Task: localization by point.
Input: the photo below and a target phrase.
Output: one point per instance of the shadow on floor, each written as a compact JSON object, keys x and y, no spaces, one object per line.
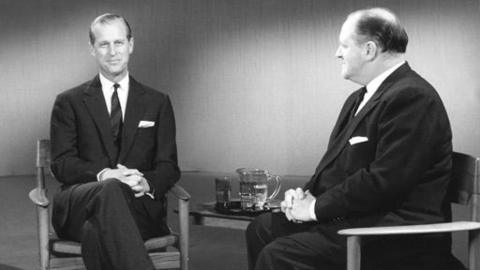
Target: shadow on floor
{"x":6,"y":267}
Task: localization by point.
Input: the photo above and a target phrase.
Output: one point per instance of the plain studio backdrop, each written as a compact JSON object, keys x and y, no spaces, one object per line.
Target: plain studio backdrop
{"x":253,"y":83}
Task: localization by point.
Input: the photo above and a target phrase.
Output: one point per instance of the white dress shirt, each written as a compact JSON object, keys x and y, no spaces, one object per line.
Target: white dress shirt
{"x":374,"y":84}
{"x":122,"y":92}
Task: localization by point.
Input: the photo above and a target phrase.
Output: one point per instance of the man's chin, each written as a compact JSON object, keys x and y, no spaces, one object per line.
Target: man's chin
{"x":115,"y":72}
{"x":344,"y":71}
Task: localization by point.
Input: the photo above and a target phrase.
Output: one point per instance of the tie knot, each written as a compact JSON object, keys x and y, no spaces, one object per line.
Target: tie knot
{"x":116,"y":86}
{"x":363,"y":91}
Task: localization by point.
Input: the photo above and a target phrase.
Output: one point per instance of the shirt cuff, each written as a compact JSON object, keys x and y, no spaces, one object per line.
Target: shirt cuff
{"x":311,"y":210}
{"x":99,"y":175}
{"x":151,"y":193}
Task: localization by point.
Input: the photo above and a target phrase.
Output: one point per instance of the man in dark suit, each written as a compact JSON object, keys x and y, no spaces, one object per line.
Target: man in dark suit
{"x":388,"y":163}
{"x":114,"y":151}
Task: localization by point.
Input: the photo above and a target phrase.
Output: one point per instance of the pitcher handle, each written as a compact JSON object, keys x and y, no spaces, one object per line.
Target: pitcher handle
{"x":278,"y":185}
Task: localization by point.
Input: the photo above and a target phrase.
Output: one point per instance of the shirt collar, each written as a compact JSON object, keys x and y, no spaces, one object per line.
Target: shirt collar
{"x":374,"y":84}
{"x":108,"y":85}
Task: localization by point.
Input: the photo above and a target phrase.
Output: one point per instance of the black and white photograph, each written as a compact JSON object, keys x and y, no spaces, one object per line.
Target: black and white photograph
{"x":240,"y":135}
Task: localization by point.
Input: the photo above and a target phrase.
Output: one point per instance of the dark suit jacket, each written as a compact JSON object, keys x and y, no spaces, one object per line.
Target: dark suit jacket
{"x":82,"y":142}
{"x":400,"y":175}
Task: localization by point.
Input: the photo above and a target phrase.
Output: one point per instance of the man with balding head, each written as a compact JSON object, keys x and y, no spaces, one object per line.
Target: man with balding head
{"x":114,"y":151}
{"x":388,"y":162}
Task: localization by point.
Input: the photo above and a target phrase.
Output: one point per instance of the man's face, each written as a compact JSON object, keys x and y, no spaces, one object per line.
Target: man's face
{"x":112,"y":49}
{"x":350,"y":52}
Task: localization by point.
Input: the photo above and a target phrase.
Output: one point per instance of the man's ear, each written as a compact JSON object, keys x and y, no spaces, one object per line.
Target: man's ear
{"x":370,"y":50}
{"x":130,"y":45}
{"x":92,"y":49}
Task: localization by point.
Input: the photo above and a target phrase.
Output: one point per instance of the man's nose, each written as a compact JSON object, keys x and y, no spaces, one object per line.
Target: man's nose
{"x":112,"y":50}
{"x":338,"y":53}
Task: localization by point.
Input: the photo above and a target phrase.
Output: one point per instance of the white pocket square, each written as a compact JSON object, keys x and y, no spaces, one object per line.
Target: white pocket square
{"x":358,"y":139}
{"x":146,"y":124}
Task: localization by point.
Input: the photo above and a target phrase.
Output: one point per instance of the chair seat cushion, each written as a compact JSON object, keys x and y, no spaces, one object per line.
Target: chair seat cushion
{"x":161,"y":242}
{"x":60,"y":246}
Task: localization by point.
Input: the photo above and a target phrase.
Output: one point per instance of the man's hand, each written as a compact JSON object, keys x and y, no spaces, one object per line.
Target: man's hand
{"x":135,"y":180}
{"x":296,"y":205}
{"x":111,"y":173}
{"x":300,"y":210}
{"x":290,"y":196}
{"x":132,"y":177}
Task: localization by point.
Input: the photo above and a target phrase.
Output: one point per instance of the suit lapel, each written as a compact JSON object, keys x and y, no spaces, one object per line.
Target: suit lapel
{"x":334,"y":138}
{"x":95,"y":103}
{"x":340,"y":134}
{"x":339,"y":142}
{"x":136,"y":103}
{"x":342,"y":119}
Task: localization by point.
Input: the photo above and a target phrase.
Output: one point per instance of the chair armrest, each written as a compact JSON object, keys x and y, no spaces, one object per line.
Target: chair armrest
{"x":413,"y":229}
{"x":183,"y":221}
{"x":180,"y":193}
{"x":38,"y":197}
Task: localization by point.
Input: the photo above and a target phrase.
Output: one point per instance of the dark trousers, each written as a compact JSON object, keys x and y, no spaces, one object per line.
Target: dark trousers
{"x":111,"y":224}
{"x":274,"y":243}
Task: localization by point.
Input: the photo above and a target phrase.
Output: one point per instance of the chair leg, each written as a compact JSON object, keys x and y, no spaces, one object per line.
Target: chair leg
{"x":353,"y":252}
{"x":473,"y":250}
{"x":183,"y":213}
{"x":43,"y":237}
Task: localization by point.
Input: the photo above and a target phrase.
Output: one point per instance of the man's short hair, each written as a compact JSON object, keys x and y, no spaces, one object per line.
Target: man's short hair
{"x":105,"y":19}
{"x":381,"y":26}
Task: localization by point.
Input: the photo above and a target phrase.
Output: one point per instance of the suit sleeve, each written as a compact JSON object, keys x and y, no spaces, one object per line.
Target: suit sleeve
{"x":411,"y":129}
{"x":67,"y":166}
{"x":165,"y":171}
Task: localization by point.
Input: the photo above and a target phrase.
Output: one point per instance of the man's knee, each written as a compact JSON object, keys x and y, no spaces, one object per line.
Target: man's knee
{"x":251,"y":231}
{"x":259,"y":230}
{"x":272,"y":256}
{"x":114,"y":186}
{"x":271,"y":250}
{"x":110,"y":193}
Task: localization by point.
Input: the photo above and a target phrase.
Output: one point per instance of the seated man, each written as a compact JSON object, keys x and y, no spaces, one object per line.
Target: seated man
{"x":388,"y":162}
{"x":114,"y":151}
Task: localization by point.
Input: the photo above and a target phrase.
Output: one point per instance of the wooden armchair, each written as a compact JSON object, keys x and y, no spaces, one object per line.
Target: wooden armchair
{"x":464,"y":189}
{"x":50,"y":245}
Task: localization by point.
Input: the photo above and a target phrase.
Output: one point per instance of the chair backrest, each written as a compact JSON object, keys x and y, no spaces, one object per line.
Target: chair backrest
{"x":43,"y":153}
{"x":464,"y":189}
{"x":464,"y":184}
{"x":42,"y":161}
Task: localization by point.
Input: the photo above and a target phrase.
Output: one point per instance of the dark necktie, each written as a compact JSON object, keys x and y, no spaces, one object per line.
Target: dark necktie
{"x":116,"y":116}
{"x":359,"y":99}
